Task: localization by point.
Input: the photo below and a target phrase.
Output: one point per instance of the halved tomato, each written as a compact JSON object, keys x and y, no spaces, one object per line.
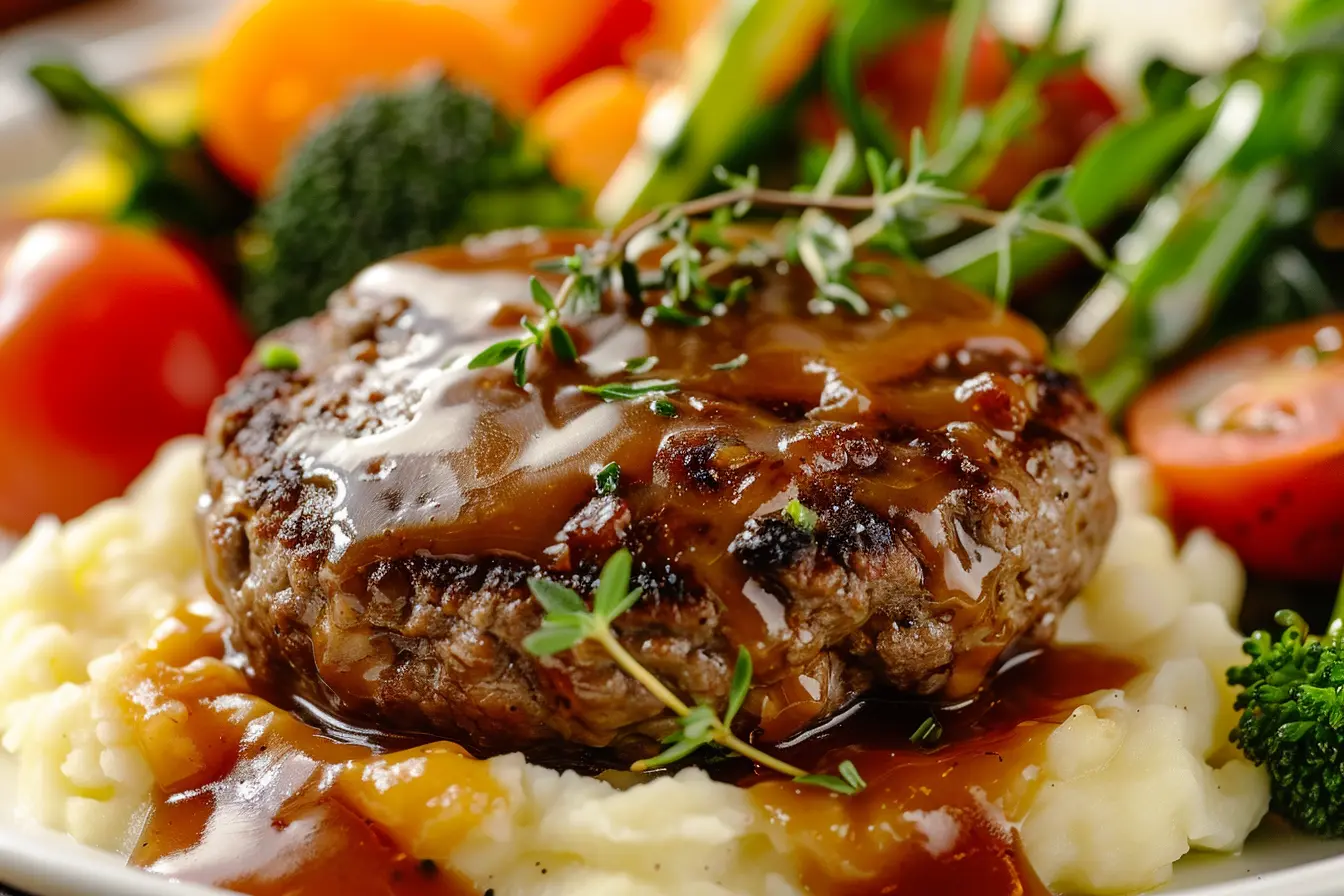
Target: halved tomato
{"x":1249,"y":441}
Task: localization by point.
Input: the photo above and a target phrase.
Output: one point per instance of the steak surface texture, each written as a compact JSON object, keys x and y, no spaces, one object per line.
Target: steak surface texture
{"x":372,"y":518}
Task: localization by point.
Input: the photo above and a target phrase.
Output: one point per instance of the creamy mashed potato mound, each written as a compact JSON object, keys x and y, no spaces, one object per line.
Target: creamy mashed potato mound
{"x":1131,"y":781}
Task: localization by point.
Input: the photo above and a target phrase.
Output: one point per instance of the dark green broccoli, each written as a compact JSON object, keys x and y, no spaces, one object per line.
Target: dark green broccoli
{"x":388,"y":173}
{"x":1292,"y":719}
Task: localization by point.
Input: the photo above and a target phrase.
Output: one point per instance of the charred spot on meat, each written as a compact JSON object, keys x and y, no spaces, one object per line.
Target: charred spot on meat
{"x":372,"y":518}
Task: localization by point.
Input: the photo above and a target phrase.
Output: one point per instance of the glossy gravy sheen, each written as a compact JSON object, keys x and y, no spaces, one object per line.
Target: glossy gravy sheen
{"x":475,"y":466}
{"x":251,"y":799}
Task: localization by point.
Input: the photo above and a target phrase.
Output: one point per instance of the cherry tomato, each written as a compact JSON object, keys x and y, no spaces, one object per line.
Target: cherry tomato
{"x":903,"y":81}
{"x":1249,"y":441}
{"x":111,"y":342}
{"x":1074,"y":107}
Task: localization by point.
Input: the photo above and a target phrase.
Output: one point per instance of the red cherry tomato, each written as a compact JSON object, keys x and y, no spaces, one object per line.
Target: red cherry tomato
{"x":1249,"y":441}
{"x":1074,"y":107}
{"x":903,"y":81}
{"x":111,"y":342}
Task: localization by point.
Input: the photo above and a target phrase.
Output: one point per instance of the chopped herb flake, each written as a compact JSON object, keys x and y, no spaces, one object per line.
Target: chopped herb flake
{"x":639,"y":366}
{"x":928,"y":733}
{"x":800,"y":515}
{"x":278,"y":356}
{"x":608,"y":479}
{"x":730,"y":365}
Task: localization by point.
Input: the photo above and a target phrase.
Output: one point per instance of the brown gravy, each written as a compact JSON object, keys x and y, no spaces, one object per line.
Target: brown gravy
{"x":936,"y":820}
{"x":252,"y":799}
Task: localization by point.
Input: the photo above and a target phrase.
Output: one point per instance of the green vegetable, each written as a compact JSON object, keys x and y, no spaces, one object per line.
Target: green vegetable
{"x":390,"y":172}
{"x":175,"y":183}
{"x":1292,"y":719}
{"x":862,"y":28}
{"x":1200,"y":233}
{"x":704,"y":119}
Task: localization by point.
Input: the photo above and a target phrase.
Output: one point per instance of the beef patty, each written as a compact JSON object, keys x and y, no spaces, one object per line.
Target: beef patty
{"x":372,"y":517}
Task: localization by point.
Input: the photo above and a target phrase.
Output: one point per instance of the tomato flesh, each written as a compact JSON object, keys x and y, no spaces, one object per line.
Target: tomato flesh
{"x":111,"y":342}
{"x":1249,"y":442}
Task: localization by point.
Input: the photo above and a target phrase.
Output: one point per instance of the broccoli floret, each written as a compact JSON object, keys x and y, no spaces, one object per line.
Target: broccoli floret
{"x":388,"y":173}
{"x":1292,"y":719}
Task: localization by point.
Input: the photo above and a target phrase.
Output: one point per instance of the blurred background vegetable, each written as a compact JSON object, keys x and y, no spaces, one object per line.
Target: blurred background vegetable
{"x":388,"y":173}
{"x":111,"y":342}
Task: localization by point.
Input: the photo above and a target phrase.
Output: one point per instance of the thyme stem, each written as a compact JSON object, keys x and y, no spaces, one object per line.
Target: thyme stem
{"x":824,"y":245}
{"x":722,"y":734}
{"x":632,"y":667}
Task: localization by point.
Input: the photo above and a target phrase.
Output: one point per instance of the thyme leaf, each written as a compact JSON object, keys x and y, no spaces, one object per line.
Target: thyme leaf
{"x":847,"y":783}
{"x":625,"y":391}
{"x":640,"y":365}
{"x":663,"y":408}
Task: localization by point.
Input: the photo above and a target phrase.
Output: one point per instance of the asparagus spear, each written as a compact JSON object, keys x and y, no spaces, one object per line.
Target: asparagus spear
{"x":1184,"y":254}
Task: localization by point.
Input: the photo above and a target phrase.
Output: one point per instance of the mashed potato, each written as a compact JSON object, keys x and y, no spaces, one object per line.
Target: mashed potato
{"x":70,"y":596}
{"x":1141,"y":776}
{"x":1131,"y":781}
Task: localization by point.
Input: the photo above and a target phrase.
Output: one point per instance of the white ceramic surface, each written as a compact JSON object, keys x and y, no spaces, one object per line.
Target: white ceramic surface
{"x":119,"y":42}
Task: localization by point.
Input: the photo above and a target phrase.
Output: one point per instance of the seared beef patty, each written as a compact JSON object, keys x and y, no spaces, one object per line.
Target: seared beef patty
{"x":372,"y":518}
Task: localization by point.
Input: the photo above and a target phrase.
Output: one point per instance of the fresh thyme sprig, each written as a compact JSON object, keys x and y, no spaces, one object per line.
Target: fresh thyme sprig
{"x":568,"y":622}
{"x":694,"y":257}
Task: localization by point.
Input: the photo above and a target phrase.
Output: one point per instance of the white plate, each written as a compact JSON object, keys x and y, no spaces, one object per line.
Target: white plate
{"x":117,"y":42}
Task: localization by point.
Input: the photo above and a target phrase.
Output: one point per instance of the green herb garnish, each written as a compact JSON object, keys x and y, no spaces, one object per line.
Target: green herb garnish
{"x":568,"y":622}
{"x":801,"y":517}
{"x":686,"y":279}
{"x":928,"y":733}
{"x":730,"y":365}
{"x":626,"y":391}
{"x":537,"y":334}
{"x":639,"y":366}
{"x":278,"y":356}
{"x":608,"y":479}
